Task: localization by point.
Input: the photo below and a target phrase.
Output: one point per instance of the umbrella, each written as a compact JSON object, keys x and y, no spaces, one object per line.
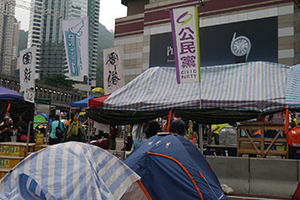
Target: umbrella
{"x":73,"y":170}
{"x":7,"y":94}
{"x":98,"y":89}
{"x":82,"y":113}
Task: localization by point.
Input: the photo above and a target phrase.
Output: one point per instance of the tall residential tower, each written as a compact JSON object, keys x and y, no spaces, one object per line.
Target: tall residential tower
{"x":45,"y":32}
{"x":7,"y":12}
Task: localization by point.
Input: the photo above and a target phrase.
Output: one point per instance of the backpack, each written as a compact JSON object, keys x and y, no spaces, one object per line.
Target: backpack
{"x":58,"y":132}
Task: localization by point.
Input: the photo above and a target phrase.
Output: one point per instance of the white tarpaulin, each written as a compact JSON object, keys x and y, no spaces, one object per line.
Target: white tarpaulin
{"x":113,"y":69}
{"x":27,"y":68}
{"x":185,"y":32}
{"x":76,"y":37}
{"x":72,"y":170}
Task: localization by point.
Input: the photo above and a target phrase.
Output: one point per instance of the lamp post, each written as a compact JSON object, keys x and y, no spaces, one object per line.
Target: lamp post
{"x":200,"y":135}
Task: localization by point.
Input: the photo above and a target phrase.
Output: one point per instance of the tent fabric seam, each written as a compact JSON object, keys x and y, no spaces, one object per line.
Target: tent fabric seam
{"x":186,"y":171}
{"x":144,"y":190}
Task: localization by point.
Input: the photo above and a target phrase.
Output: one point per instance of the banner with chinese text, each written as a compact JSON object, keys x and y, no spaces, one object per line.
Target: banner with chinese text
{"x":76,"y":38}
{"x":185,"y":32}
{"x":113,"y":69}
{"x":27,"y":68}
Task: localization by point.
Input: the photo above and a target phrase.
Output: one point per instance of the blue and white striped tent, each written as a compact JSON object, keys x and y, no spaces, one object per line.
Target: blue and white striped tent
{"x":71,"y":170}
{"x":293,"y":88}
{"x":252,"y":88}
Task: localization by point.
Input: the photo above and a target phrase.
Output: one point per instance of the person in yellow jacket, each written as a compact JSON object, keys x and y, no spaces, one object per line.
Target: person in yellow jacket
{"x":74,"y":131}
{"x":294,"y":120}
{"x":215,"y":129}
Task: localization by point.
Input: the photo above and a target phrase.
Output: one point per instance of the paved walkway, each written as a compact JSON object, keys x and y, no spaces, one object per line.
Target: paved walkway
{"x":238,"y":197}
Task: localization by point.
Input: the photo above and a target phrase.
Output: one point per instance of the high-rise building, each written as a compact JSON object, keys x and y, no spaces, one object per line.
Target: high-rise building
{"x":15,"y":47}
{"x":7,"y":12}
{"x":45,"y":32}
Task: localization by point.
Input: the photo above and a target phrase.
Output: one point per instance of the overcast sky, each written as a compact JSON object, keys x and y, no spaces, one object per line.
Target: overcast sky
{"x":109,"y":10}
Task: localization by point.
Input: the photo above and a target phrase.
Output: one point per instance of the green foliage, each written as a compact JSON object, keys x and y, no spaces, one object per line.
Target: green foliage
{"x":106,"y":40}
{"x":23,"y":38}
{"x":58,"y":80}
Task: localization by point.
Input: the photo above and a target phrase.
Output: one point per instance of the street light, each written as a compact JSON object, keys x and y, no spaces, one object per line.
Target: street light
{"x":201,"y":4}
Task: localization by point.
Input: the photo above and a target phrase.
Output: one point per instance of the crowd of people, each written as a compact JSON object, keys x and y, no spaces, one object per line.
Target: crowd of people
{"x":75,"y":129}
{"x":8,"y":129}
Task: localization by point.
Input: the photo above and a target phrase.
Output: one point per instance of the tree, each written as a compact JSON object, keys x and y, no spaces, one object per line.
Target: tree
{"x":59,"y":81}
{"x":23,"y":38}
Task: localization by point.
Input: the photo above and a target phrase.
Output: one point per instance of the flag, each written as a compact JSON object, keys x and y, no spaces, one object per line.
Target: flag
{"x":185,"y":32}
{"x":113,"y":69}
{"x":27,"y":68}
{"x":76,"y":38}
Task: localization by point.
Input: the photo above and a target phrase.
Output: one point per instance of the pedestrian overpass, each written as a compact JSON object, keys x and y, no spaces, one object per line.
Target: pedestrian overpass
{"x":59,"y":97}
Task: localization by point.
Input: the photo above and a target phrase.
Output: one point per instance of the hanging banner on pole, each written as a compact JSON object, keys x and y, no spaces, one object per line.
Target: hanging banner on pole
{"x":113,"y":69}
{"x":27,"y":68}
{"x":76,"y":38}
{"x":185,"y":32}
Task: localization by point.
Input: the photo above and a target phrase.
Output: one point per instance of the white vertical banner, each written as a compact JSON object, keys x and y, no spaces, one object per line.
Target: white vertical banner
{"x":113,"y":69}
{"x":27,"y":68}
{"x":185,"y":32}
{"x":76,"y":38}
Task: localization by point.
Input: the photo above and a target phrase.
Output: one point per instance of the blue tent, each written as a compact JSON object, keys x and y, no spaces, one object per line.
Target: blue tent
{"x":7,"y":94}
{"x":171,"y":167}
{"x":81,"y":103}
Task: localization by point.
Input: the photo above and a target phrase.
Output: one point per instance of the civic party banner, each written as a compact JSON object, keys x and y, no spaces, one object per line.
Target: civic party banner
{"x":27,"y":68}
{"x":113,"y":69}
{"x":185,"y":32}
{"x":76,"y":38}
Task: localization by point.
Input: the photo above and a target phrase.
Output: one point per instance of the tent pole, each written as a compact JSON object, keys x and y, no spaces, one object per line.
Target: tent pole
{"x":200,"y":135}
{"x":47,"y":138}
{"x":200,"y":138}
{"x":89,"y":124}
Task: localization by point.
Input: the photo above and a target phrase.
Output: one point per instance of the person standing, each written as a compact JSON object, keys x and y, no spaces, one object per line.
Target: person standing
{"x":56,"y":123}
{"x":5,"y":131}
{"x":23,"y":128}
{"x":178,"y":126}
{"x":294,"y":122}
{"x":74,"y":132}
{"x":112,"y":138}
{"x":153,"y":128}
{"x":215,"y":129}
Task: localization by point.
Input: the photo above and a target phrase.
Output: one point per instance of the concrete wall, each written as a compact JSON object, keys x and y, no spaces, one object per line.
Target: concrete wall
{"x":278,"y":177}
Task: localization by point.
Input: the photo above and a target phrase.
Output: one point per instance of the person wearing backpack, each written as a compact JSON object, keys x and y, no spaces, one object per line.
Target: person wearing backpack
{"x":55,"y":137}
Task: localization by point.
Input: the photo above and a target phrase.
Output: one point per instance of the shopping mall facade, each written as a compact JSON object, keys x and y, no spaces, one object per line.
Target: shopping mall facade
{"x":269,"y":30}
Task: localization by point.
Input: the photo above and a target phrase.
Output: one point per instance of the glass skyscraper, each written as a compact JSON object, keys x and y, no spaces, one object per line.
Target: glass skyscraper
{"x":45,"y":32}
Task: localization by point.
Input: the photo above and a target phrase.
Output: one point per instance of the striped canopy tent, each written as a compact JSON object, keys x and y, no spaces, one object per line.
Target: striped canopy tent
{"x":229,"y":93}
{"x":293,"y":88}
{"x":72,"y":170}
